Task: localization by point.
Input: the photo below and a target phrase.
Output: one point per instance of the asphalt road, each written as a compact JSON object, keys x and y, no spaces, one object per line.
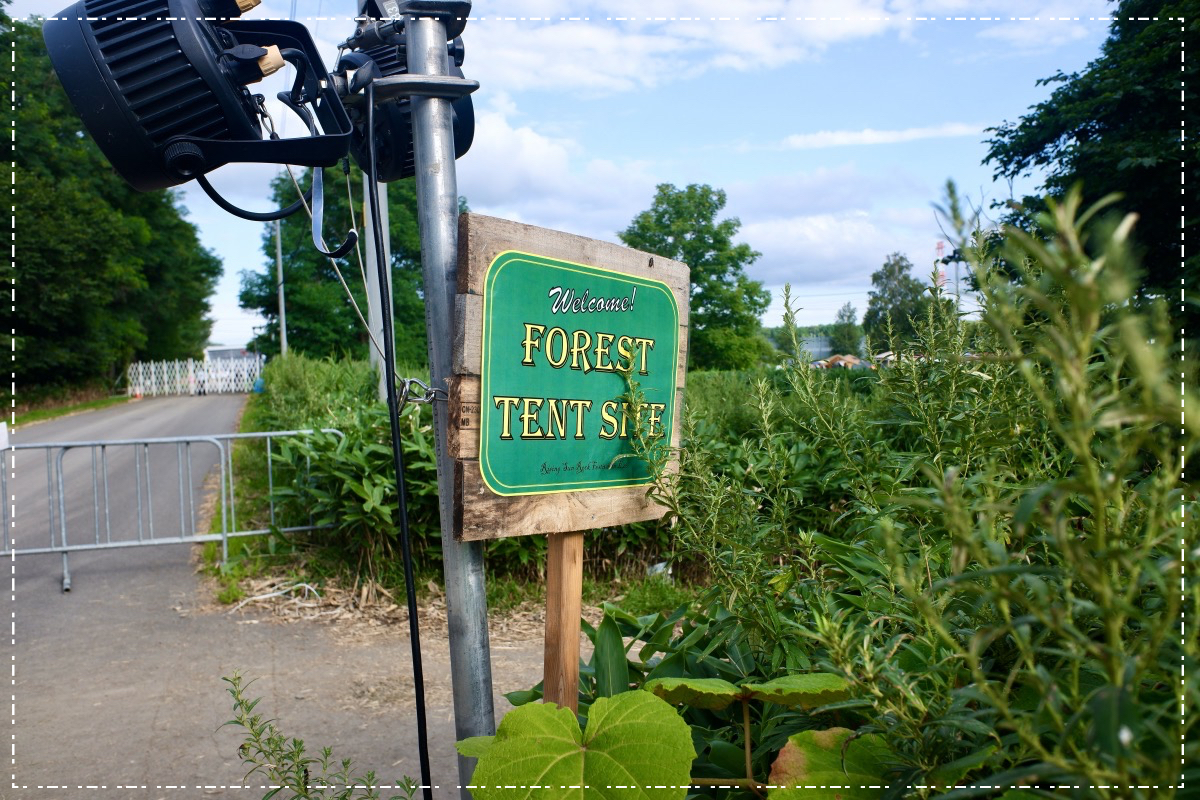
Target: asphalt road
{"x":116,"y":685}
{"x":120,"y":493}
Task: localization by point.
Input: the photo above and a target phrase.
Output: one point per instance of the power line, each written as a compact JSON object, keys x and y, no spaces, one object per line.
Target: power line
{"x":830,"y":294}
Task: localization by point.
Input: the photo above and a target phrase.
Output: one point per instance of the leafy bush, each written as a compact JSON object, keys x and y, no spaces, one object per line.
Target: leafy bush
{"x":303,"y":392}
{"x":347,"y":480}
{"x":995,"y":565}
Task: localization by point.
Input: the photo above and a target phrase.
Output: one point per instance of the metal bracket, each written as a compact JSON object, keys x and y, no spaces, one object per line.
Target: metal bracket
{"x":393,"y":86}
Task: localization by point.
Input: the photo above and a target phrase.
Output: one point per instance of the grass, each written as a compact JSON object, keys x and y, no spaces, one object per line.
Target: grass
{"x":653,"y":594}
{"x":249,"y":556}
{"x":638,"y":595}
{"x":43,"y":414}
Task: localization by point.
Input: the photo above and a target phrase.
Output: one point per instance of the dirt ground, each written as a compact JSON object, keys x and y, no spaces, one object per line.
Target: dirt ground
{"x":118,"y":693}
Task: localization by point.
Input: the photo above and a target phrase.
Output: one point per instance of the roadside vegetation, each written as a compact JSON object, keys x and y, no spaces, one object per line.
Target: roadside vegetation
{"x":980,"y":558}
{"x":961,"y":575}
{"x":344,"y":480}
{"x":61,"y":407}
{"x":124,"y":277}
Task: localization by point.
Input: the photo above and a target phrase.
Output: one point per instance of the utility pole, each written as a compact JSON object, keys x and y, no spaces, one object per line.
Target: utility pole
{"x":374,"y":291}
{"x":279,"y":286}
{"x":437,"y":214}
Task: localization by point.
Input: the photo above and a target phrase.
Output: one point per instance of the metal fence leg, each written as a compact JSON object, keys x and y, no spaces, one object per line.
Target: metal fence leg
{"x":66,"y":573}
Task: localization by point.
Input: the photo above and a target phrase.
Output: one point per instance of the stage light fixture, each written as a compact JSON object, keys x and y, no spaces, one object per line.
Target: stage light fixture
{"x":378,"y":49}
{"x":162,"y":86}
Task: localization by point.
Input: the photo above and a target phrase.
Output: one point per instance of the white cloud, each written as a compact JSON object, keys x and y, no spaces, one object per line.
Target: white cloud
{"x":1048,"y":32}
{"x":624,"y":45}
{"x":515,"y":171}
{"x":811,"y":247}
{"x":824,"y":190}
{"x":833,"y":254}
{"x":1018,"y":9}
{"x":868,"y":136}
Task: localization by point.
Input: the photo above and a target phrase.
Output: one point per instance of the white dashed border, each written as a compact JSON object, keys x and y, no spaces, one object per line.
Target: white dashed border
{"x":1182,"y":386}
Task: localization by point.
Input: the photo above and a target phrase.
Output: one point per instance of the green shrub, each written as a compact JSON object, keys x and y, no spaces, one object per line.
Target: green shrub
{"x":302,"y":392}
{"x":997,"y":572}
{"x":347,"y":481}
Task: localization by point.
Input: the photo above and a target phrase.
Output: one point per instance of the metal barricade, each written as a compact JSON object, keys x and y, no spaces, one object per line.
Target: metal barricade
{"x":129,"y":521}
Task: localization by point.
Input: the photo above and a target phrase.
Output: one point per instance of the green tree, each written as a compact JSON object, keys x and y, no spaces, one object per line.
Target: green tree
{"x":104,"y":274}
{"x":1116,"y":127}
{"x":725,"y":304}
{"x":320,"y":318}
{"x":847,"y":334}
{"x":897,"y":296}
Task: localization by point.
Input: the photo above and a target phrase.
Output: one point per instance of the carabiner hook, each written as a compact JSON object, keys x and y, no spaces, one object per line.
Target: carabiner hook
{"x":293,"y":101}
{"x":318,"y":214}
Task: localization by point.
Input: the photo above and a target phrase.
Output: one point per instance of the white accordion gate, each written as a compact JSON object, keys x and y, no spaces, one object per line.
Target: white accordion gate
{"x":193,"y":376}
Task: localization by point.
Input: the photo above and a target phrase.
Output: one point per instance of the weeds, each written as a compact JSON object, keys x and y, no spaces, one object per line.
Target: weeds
{"x":283,"y":762}
{"x":988,"y":546}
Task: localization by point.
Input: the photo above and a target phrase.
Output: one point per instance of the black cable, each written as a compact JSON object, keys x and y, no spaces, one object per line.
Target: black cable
{"x":299,"y":60}
{"x":389,"y":369}
{"x":253,"y":216}
{"x":293,"y":101}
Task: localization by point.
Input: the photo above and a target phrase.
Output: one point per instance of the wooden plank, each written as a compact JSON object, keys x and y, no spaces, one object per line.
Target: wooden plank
{"x":484,"y":515}
{"x":462,"y":437}
{"x":482,"y":238}
{"x":564,"y":599}
{"x":468,"y":334}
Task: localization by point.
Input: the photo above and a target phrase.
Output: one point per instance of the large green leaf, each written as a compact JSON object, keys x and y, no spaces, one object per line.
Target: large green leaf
{"x":612,"y":670}
{"x":819,"y":764}
{"x":633,"y":741}
{"x":712,"y":693}
{"x":805,"y":691}
{"x":474,"y":746}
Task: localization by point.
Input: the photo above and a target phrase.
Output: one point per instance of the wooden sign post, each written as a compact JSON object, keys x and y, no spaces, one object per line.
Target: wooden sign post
{"x":564,"y":601}
{"x":537,"y":412}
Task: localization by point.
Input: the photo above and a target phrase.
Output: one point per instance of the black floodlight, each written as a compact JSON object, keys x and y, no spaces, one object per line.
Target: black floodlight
{"x":161,"y":86}
{"x":393,"y":118}
{"x":378,"y":50}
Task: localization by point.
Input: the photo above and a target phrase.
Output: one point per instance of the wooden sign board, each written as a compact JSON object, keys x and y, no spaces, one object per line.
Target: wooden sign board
{"x":542,"y":318}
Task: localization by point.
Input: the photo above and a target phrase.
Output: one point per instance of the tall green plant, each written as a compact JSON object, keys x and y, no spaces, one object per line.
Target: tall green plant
{"x":1000,"y":579}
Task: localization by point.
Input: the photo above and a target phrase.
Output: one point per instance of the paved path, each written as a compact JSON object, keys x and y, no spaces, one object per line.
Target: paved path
{"x":146,"y":487}
{"x":118,"y":683}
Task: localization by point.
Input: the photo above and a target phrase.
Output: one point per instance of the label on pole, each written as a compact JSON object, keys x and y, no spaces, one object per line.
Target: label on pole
{"x":556,"y":335}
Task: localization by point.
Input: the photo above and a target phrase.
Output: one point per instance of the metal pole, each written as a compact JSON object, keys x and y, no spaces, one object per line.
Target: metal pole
{"x":437,"y":214}
{"x":279,"y":282}
{"x":374,"y":313}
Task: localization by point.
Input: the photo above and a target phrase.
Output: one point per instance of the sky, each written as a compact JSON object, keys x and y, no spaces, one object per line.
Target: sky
{"x":832,"y":127}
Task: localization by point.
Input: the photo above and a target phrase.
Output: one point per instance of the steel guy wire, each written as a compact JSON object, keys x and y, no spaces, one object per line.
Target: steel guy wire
{"x":429,"y":394}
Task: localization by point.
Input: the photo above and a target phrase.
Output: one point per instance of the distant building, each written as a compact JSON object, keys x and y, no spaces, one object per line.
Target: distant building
{"x":817,"y":346}
{"x":220,"y":351}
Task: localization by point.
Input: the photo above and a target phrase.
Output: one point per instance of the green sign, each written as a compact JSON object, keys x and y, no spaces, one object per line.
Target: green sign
{"x":554,"y":334}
